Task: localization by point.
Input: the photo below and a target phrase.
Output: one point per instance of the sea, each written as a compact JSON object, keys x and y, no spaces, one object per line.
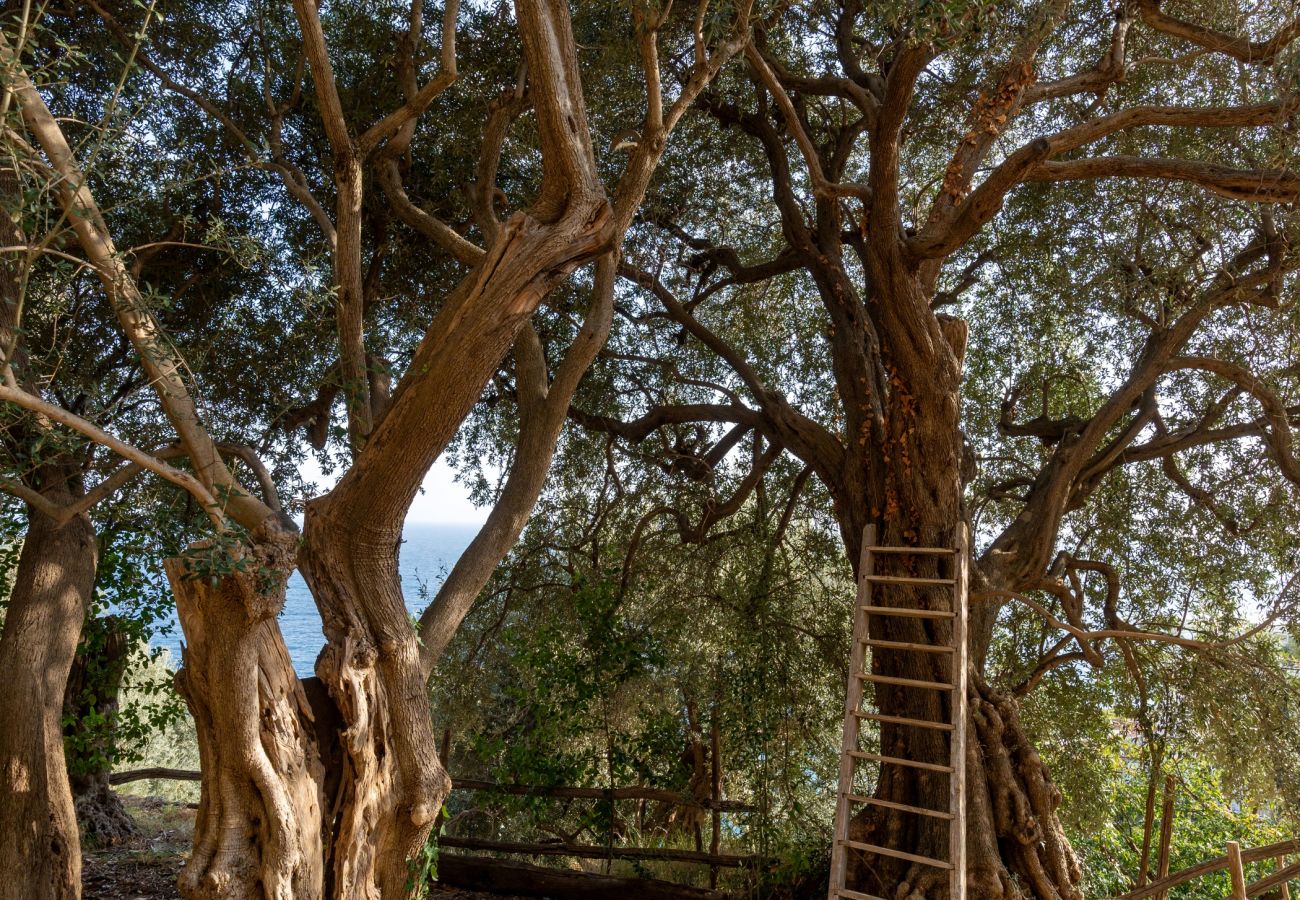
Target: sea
{"x":429,"y":550}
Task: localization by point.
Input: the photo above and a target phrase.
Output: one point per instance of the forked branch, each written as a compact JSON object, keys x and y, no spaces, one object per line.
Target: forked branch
{"x":127,"y":451}
{"x":1239,"y":47}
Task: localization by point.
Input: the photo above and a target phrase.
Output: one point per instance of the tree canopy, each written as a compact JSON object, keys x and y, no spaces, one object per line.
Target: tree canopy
{"x":693,"y":294}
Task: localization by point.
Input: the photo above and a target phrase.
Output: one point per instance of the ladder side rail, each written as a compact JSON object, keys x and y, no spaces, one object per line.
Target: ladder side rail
{"x":852,"y":705}
{"x":957,"y":739}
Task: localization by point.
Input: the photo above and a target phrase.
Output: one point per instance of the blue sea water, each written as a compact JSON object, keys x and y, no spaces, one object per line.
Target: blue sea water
{"x":429,"y":550}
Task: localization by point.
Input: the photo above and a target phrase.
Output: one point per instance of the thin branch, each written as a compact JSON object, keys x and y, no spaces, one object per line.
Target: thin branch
{"x":415,"y":105}
{"x":1256,"y":186}
{"x":1252,"y":116}
{"x":428,"y":225}
{"x":128,"y":452}
{"x":947,"y":234}
{"x":158,"y":358}
{"x":123,"y":473}
{"x":822,"y":187}
{"x":1278,"y":435}
{"x":1110,"y":70}
{"x":1241,"y":48}
{"x":1127,"y":634}
{"x":292,"y":179}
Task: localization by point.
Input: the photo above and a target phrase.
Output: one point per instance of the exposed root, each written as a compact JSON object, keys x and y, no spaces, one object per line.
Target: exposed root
{"x":1016,"y":847}
{"x":1023,"y":801}
{"x":103,"y":820}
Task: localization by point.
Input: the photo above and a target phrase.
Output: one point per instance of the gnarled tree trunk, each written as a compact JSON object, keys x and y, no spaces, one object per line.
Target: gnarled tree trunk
{"x":40,"y":852}
{"x":915,"y":496}
{"x":391,"y":783}
{"x":258,"y":835}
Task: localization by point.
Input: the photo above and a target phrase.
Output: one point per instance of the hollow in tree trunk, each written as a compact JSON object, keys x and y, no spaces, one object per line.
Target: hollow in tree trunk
{"x":40,"y":853}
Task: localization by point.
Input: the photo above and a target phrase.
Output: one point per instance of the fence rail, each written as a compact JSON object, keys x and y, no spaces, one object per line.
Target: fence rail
{"x":1220,"y":863}
{"x":154,"y":774}
{"x":587,"y":851}
{"x":523,"y":790}
{"x":712,"y":858}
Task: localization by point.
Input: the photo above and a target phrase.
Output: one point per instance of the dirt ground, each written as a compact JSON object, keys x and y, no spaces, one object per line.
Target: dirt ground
{"x":145,"y":867}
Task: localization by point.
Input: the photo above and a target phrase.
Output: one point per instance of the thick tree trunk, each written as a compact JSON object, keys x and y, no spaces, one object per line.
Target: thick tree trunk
{"x":258,"y":835}
{"x":1014,"y":839}
{"x":92,"y":697}
{"x":40,"y":853}
{"x":927,"y":519}
{"x":1015,"y":844}
{"x":392,"y":783}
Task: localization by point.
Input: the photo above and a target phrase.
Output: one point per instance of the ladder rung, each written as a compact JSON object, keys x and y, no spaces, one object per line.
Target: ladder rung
{"x":898,"y":854}
{"x":905,"y":645}
{"x":889,"y":804}
{"x":876,"y":757}
{"x":900,"y":720}
{"x":907,"y":559}
{"x":906,"y":579}
{"x":907,"y":612}
{"x":948,"y":550}
{"x":855,"y":895}
{"x":906,"y":682}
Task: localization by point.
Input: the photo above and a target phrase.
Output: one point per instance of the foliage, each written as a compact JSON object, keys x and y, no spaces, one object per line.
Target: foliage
{"x":173,"y":746}
{"x":694,"y":575}
{"x":424,"y":865}
{"x":131,"y":599}
{"x":1206,"y":817}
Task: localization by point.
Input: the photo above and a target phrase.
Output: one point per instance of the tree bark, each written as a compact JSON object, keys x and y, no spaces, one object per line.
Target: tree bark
{"x":914,"y":494}
{"x":40,"y":852}
{"x":258,"y":835}
{"x":1015,"y":841}
{"x":392,"y":783}
{"x":92,"y":691}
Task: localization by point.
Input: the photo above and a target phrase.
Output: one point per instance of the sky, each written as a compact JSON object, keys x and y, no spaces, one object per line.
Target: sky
{"x":442,"y":499}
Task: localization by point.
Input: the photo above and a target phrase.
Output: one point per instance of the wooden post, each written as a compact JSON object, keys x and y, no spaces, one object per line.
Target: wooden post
{"x":715,"y":754}
{"x":957,"y":757}
{"x":613,"y":805}
{"x":1236,"y":872}
{"x":444,"y":757}
{"x":1148,"y":823}
{"x":1166,"y":832}
{"x":852,"y":703}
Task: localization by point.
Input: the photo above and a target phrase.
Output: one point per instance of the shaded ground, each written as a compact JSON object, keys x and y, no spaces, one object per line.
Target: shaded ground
{"x":145,"y":867}
{"x":438,"y":892}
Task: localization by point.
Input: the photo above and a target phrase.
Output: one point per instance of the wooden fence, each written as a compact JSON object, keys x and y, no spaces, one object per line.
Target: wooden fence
{"x":1232,"y":861}
{"x":715,"y":804}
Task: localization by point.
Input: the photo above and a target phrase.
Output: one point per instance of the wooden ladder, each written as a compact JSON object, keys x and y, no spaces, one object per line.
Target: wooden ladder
{"x":859,"y":674}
